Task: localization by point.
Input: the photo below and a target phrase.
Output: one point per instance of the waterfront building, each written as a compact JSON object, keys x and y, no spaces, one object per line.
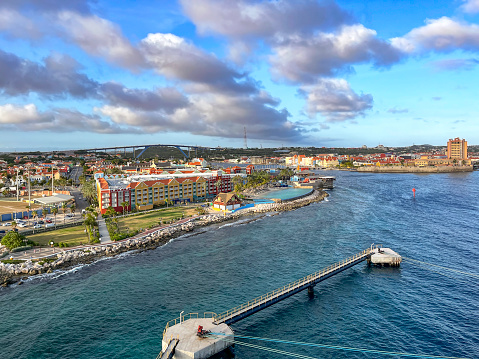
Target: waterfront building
{"x":457,"y":149}
{"x":227,"y":202}
{"x":146,"y":191}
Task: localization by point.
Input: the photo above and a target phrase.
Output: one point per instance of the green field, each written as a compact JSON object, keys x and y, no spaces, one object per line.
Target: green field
{"x":152,"y":219}
{"x":73,"y":236}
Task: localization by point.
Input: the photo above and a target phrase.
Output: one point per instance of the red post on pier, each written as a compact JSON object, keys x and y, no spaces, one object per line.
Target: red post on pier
{"x":414,"y":192}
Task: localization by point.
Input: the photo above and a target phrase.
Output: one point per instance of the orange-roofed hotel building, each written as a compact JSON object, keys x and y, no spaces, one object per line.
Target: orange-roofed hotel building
{"x":145,"y":191}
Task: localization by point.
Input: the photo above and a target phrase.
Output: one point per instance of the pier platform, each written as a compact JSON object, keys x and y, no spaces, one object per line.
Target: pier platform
{"x":385,"y":257}
{"x":192,"y":346}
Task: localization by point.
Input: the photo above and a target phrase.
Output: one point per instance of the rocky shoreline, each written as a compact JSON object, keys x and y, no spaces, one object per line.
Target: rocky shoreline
{"x":16,"y":273}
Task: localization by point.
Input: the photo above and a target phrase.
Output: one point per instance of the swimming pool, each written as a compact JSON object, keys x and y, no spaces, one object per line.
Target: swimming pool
{"x":285,"y":193}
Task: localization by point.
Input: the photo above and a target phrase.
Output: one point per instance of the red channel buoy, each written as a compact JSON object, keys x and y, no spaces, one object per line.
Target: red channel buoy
{"x":414,"y":192}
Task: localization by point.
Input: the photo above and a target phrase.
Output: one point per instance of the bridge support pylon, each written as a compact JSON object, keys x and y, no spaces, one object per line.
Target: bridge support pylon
{"x":311,"y":292}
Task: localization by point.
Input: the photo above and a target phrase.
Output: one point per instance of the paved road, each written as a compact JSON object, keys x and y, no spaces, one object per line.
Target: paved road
{"x":75,"y":173}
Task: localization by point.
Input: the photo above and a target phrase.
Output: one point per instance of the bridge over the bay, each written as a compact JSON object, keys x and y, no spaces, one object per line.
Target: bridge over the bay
{"x":138,"y":150}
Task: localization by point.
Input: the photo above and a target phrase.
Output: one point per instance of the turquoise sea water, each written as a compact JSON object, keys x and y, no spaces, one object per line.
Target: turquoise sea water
{"x":286,"y":193}
{"x":117,"y":308}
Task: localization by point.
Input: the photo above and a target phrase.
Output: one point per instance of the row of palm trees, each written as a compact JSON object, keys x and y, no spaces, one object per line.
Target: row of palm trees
{"x":54,"y":211}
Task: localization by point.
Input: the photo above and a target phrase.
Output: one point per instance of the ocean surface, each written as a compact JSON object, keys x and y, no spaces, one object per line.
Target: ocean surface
{"x":117,"y":308}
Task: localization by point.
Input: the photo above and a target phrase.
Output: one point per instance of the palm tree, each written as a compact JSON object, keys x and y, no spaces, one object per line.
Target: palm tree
{"x":14,"y":225}
{"x":124,"y":205}
{"x":218,"y":184}
{"x":110,"y":212}
{"x":28,"y":209}
{"x":54,"y":212}
{"x":73,"y":208}
{"x":64,"y":209}
{"x":44,"y":212}
{"x":204,"y":188}
{"x":90,"y":221}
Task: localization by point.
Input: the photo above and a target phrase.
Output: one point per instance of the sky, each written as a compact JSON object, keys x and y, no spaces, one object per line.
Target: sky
{"x":94,"y":73}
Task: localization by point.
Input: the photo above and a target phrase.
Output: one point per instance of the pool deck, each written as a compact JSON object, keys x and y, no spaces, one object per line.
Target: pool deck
{"x":280,"y":193}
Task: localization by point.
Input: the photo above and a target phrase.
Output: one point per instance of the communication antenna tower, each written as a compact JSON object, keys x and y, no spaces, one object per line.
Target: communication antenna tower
{"x":245,"y":141}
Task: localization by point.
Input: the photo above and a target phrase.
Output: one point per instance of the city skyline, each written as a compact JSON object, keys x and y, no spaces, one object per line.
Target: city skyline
{"x":84,"y":74}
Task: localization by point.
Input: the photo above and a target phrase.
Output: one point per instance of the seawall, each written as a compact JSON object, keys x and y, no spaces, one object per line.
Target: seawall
{"x":402,"y":169}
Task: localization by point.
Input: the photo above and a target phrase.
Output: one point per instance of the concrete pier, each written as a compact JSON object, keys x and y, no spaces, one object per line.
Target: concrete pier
{"x":181,"y":339}
{"x":192,"y":346}
{"x":385,"y":257}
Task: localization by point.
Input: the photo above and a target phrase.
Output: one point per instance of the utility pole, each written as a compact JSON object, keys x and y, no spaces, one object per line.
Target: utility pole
{"x":52,"y":181}
{"x":245,"y":141}
{"x":17,"y":183}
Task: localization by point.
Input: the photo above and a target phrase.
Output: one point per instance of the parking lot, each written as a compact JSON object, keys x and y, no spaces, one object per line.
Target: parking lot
{"x":38,"y":223}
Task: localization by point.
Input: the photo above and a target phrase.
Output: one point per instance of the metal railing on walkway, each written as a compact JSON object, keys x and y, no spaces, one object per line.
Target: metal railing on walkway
{"x":241,"y":311}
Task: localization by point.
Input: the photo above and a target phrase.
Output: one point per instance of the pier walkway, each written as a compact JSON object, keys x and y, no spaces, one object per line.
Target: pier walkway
{"x":190,"y":345}
{"x":255,"y":305}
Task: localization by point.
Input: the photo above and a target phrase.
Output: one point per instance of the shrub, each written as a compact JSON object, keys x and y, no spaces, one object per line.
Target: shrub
{"x":12,"y":261}
{"x":13,"y":240}
{"x":19,"y":249}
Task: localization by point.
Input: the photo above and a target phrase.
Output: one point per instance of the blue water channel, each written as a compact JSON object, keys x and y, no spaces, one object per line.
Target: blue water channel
{"x":117,"y":308}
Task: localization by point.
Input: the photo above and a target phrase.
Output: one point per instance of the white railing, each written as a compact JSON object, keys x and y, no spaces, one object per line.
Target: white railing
{"x":291,"y":286}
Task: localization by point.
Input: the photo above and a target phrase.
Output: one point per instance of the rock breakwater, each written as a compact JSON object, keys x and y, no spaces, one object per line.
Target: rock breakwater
{"x":11,"y":273}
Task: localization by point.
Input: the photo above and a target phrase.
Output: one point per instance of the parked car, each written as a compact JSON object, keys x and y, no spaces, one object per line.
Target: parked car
{"x":48,"y":220}
{"x":7,"y":224}
{"x":40,"y":222}
{"x":22,"y":225}
{"x":37,"y":226}
{"x":49,"y":225}
{"x":2,"y":231}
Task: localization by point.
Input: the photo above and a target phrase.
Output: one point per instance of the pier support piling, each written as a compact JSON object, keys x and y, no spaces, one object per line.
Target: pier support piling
{"x":311,"y":292}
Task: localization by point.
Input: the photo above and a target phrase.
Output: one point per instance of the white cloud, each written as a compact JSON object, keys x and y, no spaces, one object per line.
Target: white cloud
{"x":335,"y":100}
{"x":28,"y":118}
{"x":100,"y":37}
{"x":470,"y":6}
{"x":178,"y":59}
{"x":442,"y":35}
{"x":247,"y":19}
{"x":18,"y":24}
{"x":11,"y":114}
{"x":219,"y":115}
{"x":455,"y":64}
{"x":303,"y":59}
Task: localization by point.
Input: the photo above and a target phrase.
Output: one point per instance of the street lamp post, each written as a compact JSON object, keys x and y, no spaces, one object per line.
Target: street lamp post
{"x":18,"y":170}
{"x":52,"y":180}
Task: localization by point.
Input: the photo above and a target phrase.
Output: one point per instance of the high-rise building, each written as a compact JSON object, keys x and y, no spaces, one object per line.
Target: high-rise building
{"x":457,"y":149}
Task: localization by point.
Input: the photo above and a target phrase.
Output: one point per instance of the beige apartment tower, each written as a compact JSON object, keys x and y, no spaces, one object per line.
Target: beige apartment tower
{"x":457,"y":149}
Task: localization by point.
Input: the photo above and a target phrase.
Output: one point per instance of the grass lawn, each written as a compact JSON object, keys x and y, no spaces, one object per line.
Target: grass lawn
{"x":152,"y":219}
{"x":72,"y":236}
